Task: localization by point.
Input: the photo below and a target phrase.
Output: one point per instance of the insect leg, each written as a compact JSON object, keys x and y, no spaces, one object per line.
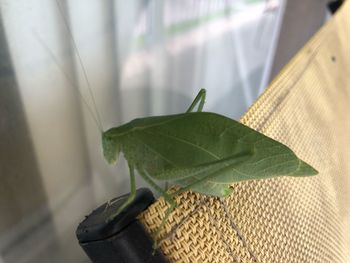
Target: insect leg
{"x":168,"y":212}
{"x":156,"y":187}
{"x":216,"y":172}
{"x":199,"y":98}
{"x":169,"y":198}
{"x":131,"y":196}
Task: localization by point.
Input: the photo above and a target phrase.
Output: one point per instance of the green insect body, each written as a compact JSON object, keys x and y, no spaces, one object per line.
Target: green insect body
{"x":199,"y":151}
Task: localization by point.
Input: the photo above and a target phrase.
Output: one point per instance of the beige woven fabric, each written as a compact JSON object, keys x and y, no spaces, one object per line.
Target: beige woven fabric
{"x":287,"y":219}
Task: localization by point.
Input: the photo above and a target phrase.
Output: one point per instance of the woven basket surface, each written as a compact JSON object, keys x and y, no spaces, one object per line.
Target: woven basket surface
{"x":286,"y":219}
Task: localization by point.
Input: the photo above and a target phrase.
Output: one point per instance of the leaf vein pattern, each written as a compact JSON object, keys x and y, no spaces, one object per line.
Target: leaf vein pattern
{"x":186,"y":142}
{"x":157,"y":153}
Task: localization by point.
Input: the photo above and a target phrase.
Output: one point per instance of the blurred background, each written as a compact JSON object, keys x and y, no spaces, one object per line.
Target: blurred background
{"x":141,"y":58}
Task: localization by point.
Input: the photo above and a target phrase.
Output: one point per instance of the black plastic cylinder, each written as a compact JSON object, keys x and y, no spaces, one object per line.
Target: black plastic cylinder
{"x":122,"y":239}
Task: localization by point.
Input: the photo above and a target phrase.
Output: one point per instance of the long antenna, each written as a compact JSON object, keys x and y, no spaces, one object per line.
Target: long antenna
{"x":71,"y":82}
{"x":80,"y":63}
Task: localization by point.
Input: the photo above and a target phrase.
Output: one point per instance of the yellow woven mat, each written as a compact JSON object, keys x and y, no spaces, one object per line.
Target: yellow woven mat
{"x":287,"y":219}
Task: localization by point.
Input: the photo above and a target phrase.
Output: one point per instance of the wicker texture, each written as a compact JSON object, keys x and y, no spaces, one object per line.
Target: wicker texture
{"x":284,"y":219}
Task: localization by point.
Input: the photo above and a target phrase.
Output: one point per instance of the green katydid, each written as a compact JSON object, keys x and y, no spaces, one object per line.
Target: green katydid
{"x":199,"y":151}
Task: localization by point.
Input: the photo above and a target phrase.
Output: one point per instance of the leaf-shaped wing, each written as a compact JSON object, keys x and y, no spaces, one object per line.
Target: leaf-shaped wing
{"x":186,"y":148}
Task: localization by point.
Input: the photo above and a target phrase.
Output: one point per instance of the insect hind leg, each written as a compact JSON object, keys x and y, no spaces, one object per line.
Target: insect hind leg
{"x":200,"y":98}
